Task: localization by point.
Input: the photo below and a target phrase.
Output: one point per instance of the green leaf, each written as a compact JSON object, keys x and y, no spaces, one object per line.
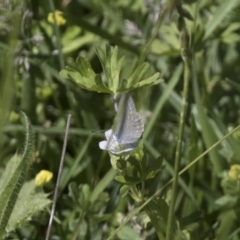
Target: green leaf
{"x":73,"y":191}
{"x":194,"y":217}
{"x":222,"y":12}
{"x":170,"y":169}
{"x":227,"y":201}
{"x":111,"y":66}
{"x":72,"y":40}
{"x":29,"y":203}
{"x":157,"y":210}
{"x":137,"y":75}
{"x":193,"y":151}
{"x":108,"y":177}
{"x":77,"y":20}
{"x":86,"y":191}
{"x":153,"y":80}
{"x":136,"y":164}
{"x":85,"y":70}
{"x":154,"y":167}
{"x":127,"y":180}
{"x":124,"y":190}
{"x":231,"y":144}
{"x":159,"y":47}
{"x":78,"y":165}
{"x":168,"y":88}
{"x":185,"y":13}
{"x":84,"y":76}
{"x":14,"y":179}
{"x":143,"y":218}
{"x":208,"y":133}
{"x":127,"y":232}
{"x":231,"y":38}
{"x":84,"y":196}
{"x":235,"y":85}
{"x":121,"y":164}
{"x":227,"y":218}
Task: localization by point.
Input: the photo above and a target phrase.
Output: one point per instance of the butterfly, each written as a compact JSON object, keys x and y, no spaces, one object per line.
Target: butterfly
{"x":127,"y":129}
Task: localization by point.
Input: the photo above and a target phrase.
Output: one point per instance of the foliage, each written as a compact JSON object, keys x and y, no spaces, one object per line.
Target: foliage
{"x":18,"y":200}
{"x":71,"y":57}
{"x":85,"y":77}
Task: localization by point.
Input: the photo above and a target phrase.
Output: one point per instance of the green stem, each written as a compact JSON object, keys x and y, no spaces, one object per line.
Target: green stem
{"x":60,"y":53}
{"x":179,"y":149}
{"x":145,"y":51}
{"x":144,"y":166}
{"x":57,"y":34}
{"x":153,"y":34}
{"x":77,"y":229}
{"x":28,"y":98}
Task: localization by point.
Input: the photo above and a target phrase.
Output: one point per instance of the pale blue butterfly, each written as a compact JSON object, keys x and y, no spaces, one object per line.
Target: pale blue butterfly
{"x":127,"y":129}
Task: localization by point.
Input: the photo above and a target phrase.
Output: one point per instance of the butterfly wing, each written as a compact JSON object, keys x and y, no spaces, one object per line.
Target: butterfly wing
{"x":113,"y":145}
{"x":111,"y":141}
{"x":129,"y":124}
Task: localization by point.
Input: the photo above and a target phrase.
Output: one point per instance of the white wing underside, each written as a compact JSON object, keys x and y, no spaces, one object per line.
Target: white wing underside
{"x":128,"y":124}
{"x":127,"y":129}
{"x":113,"y":145}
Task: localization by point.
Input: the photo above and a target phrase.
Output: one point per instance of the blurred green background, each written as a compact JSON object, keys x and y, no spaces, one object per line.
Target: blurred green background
{"x":34,"y":49}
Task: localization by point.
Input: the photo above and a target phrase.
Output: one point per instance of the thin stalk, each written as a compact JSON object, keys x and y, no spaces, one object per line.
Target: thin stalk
{"x":179,"y":147}
{"x":142,"y":189}
{"x":58,"y":178}
{"x":51,"y":131}
{"x":60,"y":53}
{"x":78,"y":228}
{"x":145,"y":51}
{"x":57,"y":34}
{"x":153,"y":34}
{"x":143,"y":179}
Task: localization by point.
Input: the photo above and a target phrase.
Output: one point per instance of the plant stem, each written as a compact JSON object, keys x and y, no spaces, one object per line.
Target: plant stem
{"x":153,"y":34}
{"x":7,"y":82}
{"x":59,"y":177}
{"x":57,"y":34}
{"x":144,"y":166}
{"x":179,"y":146}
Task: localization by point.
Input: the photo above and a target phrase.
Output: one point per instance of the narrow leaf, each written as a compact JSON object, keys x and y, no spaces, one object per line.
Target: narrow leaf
{"x":219,"y":15}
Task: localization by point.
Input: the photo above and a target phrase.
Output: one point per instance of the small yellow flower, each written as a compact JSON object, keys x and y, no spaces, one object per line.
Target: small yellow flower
{"x":43,"y":177}
{"x":234,"y":172}
{"x":60,"y":20}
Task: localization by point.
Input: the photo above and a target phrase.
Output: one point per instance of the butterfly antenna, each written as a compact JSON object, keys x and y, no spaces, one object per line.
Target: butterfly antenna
{"x":58,"y":178}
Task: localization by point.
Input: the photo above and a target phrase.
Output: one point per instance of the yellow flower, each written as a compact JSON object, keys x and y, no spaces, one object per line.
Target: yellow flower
{"x":43,"y":177}
{"x":234,"y":172}
{"x":60,"y":20}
